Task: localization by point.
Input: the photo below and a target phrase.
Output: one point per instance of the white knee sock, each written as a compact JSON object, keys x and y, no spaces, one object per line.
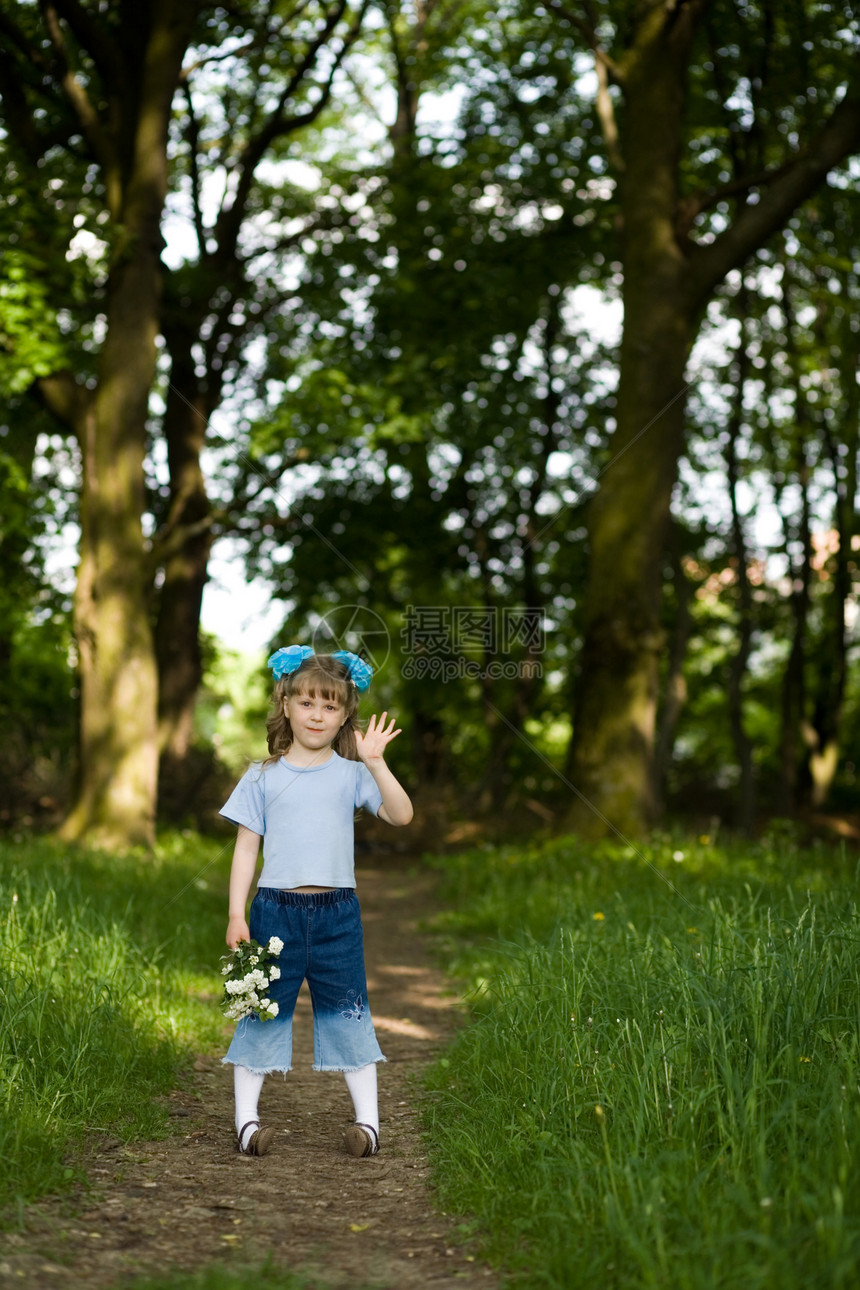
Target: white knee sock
{"x":247,"y":1085}
{"x":362,"y":1090}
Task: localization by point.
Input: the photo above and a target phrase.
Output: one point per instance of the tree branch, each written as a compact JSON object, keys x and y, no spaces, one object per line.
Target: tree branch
{"x":695,"y":203}
{"x":588,"y":30}
{"x":838,"y":139}
{"x":608,"y":72}
{"x":62,"y":396}
{"x":606,"y":116}
{"x":83,"y":109}
{"x":278,"y":124}
{"x":193,"y":136}
{"x":186,"y":72}
{"x":174,"y":537}
{"x":95,"y":39}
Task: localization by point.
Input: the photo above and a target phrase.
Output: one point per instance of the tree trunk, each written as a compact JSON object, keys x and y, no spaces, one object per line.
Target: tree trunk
{"x":116,"y":793}
{"x":115,"y":802}
{"x":177,"y":633}
{"x":740,"y":662}
{"x":614,"y":719}
{"x":833,"y":675}
{"x":795,"y":730}
{"x":794,"y":677}
{"x":675,"y":685}
{"x":617,"y":692}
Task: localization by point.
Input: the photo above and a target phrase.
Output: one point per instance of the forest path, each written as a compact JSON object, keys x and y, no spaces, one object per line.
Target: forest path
{"x":191,"y":1200}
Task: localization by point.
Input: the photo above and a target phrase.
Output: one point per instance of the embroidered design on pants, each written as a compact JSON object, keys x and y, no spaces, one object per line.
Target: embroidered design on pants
{"x":352,"y":1007}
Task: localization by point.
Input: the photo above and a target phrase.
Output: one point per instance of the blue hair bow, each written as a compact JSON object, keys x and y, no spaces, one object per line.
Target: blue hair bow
{"x":289,"y":659}
{"x":360,"y":673}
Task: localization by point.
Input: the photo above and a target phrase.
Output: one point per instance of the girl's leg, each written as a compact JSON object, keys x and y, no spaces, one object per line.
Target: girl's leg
{"x":246,"y":1085}
{"x":362,"y":1138}
{"x":362,"y":1090}
{"x":344,"y":1038}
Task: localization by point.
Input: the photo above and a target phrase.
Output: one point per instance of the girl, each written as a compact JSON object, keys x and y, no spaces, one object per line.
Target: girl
{"x":301,"y":801}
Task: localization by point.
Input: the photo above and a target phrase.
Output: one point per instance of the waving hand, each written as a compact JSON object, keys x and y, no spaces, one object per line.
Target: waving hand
{"x":371,"y":745}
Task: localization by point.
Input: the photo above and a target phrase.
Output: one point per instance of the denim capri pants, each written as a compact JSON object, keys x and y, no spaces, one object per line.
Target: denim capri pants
{"x":323,"y":943}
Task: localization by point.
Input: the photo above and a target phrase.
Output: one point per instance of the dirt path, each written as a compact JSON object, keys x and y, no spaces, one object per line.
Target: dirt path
{"x":191,"y":1200}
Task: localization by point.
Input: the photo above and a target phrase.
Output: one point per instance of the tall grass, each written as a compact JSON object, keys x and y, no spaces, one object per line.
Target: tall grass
{"x":659,"y":1086}
{"x":104,"y":978}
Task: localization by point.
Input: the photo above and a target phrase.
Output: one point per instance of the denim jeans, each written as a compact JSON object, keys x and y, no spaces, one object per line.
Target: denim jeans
{"x":324,"y":944}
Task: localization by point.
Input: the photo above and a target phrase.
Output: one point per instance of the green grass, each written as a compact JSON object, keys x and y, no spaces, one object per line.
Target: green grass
{"x":659,"y":1084}
{"x":105,"y":963}
{"x":266,"y":1276}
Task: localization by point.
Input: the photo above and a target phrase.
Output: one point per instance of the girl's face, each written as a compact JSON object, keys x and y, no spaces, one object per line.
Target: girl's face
{"x":314,"y":719}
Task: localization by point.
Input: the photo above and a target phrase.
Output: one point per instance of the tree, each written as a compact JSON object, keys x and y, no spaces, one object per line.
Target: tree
{"x":696,"y":111}
{"x":89,"y":97}
{"x":104,"y":90}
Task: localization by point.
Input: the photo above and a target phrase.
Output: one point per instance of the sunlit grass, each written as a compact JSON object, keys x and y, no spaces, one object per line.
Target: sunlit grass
{"x":660,"y":1082}
{"x":106,"y":986}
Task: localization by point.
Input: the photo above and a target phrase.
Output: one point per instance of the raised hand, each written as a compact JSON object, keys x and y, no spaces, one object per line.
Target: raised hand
{"x":371,"y":745}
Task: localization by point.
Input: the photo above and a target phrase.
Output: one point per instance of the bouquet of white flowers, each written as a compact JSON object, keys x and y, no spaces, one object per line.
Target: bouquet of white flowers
{"x":248,"y":973}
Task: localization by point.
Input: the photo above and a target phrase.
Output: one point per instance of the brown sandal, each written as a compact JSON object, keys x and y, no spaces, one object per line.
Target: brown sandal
{"x":362,"y":1140}
{"x":258,"y":1143}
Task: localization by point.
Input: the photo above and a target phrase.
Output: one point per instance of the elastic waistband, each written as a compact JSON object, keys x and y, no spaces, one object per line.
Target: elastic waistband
{"x":306,"y":898}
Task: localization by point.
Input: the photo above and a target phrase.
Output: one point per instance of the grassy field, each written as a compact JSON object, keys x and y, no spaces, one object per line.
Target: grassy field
{"x":659,"y":1084}
{"x":106,"y":986}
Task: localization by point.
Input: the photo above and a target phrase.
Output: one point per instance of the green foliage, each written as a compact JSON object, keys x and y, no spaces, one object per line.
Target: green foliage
{"x":106,"y":976}
{"x":658,"y":1084}
{"x":50,"y":285}
{"x":28,"y":325}
{"x":18,"y":530}
{"x":38,"y":711}
{"x":37,"y":703}
{"x":233,"y":706}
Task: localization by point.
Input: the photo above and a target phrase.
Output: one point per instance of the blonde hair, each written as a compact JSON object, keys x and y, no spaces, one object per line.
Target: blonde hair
{"x":319,"y":675}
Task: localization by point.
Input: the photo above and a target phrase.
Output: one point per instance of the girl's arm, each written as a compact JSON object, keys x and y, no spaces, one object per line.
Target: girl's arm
{"x":396,"y":807}
{"x":242,"y":872}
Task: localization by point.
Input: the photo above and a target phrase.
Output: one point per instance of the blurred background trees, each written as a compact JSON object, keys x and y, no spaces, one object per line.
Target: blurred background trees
{"x":515,"y":345}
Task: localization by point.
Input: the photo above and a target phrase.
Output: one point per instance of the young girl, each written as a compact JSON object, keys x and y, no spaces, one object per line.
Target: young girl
{"x":301,"y":801}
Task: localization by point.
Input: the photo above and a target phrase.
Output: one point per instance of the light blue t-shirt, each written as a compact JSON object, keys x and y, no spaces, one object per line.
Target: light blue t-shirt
{"x":304,"y":815}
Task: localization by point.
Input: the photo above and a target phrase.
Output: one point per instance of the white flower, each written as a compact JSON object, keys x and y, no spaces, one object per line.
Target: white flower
{"x":247,"y":980}
{"x":274,"y":973}
{"x":275,"y":945}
